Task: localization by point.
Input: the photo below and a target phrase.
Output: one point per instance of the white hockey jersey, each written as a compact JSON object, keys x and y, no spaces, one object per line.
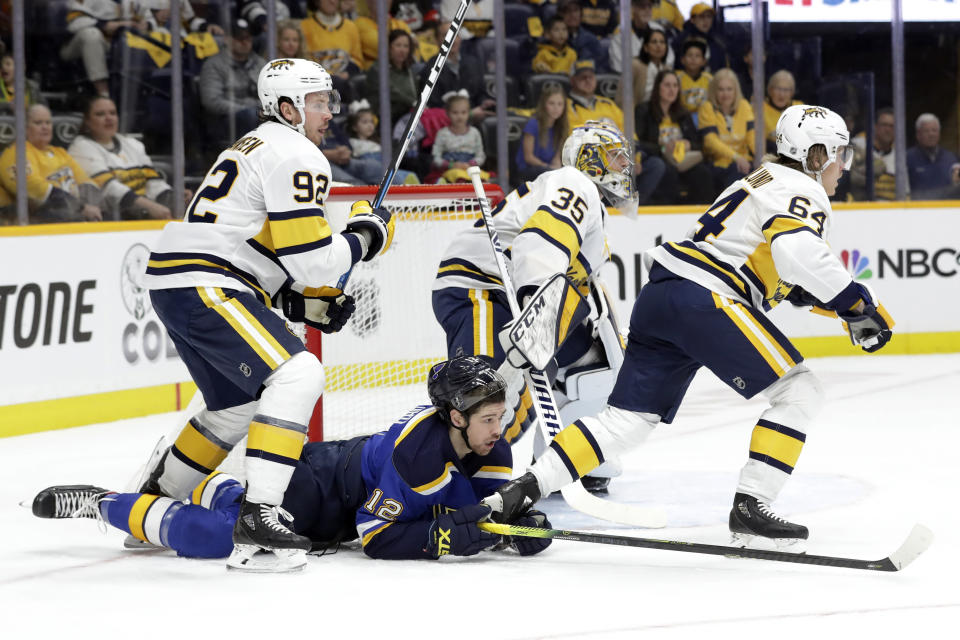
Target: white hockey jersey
{"x":554,"y":224}
{"x":765,"y":234}
{"x":256,"y":222}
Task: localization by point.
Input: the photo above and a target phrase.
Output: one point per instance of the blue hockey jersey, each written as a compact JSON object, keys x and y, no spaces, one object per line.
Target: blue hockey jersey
{"x":412,"y":475}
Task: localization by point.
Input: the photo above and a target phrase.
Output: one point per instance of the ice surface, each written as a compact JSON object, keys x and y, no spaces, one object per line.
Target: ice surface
{"x":881,"y":456}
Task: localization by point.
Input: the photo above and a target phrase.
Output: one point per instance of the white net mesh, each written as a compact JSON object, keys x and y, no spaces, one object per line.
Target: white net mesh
{"x":376,"y":366}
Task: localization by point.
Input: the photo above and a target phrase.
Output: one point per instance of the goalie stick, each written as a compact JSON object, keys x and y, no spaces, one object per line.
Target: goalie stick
{"x":548,"y":416}
{"x":455,"y":22}
{"x":916,"y":543}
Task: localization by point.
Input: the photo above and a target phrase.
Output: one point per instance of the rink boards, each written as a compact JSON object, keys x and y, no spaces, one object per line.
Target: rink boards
{"x":79,"y":342}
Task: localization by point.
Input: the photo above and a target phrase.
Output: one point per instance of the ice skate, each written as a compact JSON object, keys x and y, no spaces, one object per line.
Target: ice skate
{"x":262,"y":543}
{"x":69,"y":501}
{"x":753,"y":524}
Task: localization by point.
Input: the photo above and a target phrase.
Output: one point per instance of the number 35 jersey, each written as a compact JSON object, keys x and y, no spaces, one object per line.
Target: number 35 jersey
{"x":554,"y":224}
{"x":256,"y":222}
{"x":765,"y":234}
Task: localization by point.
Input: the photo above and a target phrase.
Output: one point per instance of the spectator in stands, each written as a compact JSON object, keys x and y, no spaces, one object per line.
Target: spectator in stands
{"x":333,"y":41}
{"x":92,"y":25}
{"x":641,"y":12}
{"x":132,"y":188}
{"x":58,"y":189}
{"x":668,"y":14}
{"x":554,"y":54}
{"x":365,"y":146}
{"x":587,"y":45}
{"x":585,"y":104}
{"x":403,"y":82}
{"x":883,"y":158}
{"x":726,"y":125}
{"x":458,"y":145}
{"x":370,"y":31}
{"x":780,"y":90}
{"x":159,"y":16}
{"x":934,"y":172}
{"x":600,"y":17}
{"x":8,"y":88}
{"x":653,"y":59}
{"x":228,"y":87}
{"x":543,"y":135}
{"x":459,"y":72}
{"x":477,"y":21}
{"x":701,"y":25}
{"x":693,"y":79}
{"x":290,"y":42}
{"x":665,"y":130}
{"x":344,"y":167}
{"x":255,"y":13}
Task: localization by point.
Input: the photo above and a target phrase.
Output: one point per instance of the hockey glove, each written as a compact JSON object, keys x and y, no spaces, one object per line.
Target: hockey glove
{"x":326,"y":308}
{"x":870,"y":328}
{"x":798,"y":297}
{"x":457,"y":534}
{"x":376,"y":226}
{"x":528,"y":546}
{"x":514,"y":497}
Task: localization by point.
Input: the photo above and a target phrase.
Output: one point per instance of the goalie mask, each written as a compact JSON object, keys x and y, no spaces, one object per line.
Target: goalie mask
{"x":802,"y":126}
{"x":599,"y":151}
{"x":462,"y":383}
{"x":293,"y":78}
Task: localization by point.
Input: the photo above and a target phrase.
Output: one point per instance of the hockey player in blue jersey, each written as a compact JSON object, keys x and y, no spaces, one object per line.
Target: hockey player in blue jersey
{"x":761,"y":242}
{"x":412,"y":491}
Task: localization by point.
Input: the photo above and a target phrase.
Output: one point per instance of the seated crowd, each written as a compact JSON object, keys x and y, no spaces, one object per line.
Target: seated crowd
{"x":693,"y":118}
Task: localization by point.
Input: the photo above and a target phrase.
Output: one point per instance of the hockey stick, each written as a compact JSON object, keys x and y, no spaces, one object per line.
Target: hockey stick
{"x":425,"y":93}
{"x":548,"y":416}
{"x":916,"y":543}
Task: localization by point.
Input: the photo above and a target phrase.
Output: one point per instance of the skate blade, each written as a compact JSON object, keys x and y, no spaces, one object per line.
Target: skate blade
{"x":750,"y":541}
{"x":254,"y":559}
{"x":131,"y":542}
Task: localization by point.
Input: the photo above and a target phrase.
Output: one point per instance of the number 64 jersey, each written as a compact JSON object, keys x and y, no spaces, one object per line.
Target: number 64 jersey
{"x":256,"y":222}
{"x":765,"y":234}
{"x":554,"y":224}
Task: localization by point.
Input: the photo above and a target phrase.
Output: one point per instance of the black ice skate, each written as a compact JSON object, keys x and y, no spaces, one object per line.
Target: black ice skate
{"x":596,"y":485}
{"x":261,"y":542}
{"x":754,"y":524}
{"x":69,"y":501}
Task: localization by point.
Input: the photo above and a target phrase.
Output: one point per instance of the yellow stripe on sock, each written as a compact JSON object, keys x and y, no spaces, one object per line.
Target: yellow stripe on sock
{"x":195,"y":446}
{"x":777,"y":445}
{"x":276,"y":440}
{"x":138,"y":514}
{"x":578,"y":449}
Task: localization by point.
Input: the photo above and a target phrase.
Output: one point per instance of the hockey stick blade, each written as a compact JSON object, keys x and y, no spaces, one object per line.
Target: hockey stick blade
{"x":916,"y":543}
{"x":585,"y":502}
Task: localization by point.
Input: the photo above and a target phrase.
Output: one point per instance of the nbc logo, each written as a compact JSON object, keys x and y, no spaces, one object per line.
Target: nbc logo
{"x":858,"y":265}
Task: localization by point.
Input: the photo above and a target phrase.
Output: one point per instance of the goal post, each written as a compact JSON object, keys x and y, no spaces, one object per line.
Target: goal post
{"x":376,"y":366}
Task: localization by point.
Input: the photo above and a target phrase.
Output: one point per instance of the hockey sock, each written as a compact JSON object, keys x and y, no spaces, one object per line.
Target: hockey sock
{"x":522,"y":416}
{"x":279,"y":428}
{"x":146,"y":517}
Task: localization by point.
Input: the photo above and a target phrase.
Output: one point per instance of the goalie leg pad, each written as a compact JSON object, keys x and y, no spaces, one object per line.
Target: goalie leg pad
{"x":780,"y":433}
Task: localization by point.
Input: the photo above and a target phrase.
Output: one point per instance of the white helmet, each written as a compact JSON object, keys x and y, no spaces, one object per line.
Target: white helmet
{"x":599,"y":151}
{"x":293,"y":78}
{"x":802,"y":126}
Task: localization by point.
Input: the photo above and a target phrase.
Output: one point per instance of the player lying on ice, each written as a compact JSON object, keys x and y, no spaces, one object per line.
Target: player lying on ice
{"x":412,"y":491}
{"x":554,"y":224}
{"x":762,"y":241}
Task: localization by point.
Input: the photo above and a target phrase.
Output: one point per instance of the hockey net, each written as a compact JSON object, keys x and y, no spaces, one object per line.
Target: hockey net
{"x":376,"y":366}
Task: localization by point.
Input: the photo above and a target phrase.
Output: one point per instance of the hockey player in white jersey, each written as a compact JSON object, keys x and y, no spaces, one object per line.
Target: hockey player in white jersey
{"x":255,"y":236}
{"x":554,"y":224}
{"x":761,"y":242}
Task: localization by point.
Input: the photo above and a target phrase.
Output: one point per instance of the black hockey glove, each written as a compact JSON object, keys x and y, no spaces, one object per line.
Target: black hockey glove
{"x":514,"y":498}
{"x":327,"y":311}
{"x":375,"y":225}
{"x":528,"y":546}
{"x":870,"y":328}
{"x":798,"y":297}
{"x":457,"y":534}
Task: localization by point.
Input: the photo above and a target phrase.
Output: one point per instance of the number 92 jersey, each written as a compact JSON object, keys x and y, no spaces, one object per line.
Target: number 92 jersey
{"x":553,"y":224}
{"x":256,"y":222}
{"x":765,"y":234}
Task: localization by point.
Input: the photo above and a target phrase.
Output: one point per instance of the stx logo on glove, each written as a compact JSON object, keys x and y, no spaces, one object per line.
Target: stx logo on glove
{"x":443,"y":542}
